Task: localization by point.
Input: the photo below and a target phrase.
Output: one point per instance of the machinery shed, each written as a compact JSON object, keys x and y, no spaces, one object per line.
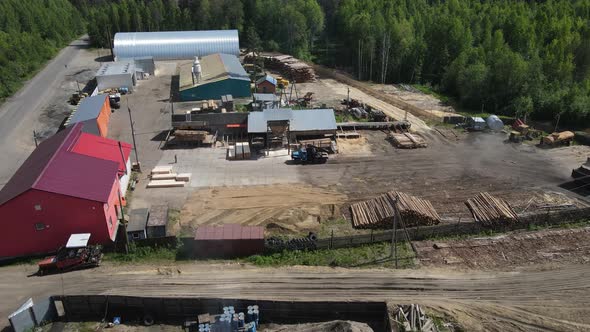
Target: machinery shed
{"x":228,"y":241}
{"x":94,"y":112}
{"x":176,"y":45}
{"x":311,"y":122}
{"x":115,"y":75}
{"x":143,"y":65}
{"x":221,"y":74}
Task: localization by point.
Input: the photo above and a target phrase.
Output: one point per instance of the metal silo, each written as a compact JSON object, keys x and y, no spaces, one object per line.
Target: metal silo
{"x":168,"y":45}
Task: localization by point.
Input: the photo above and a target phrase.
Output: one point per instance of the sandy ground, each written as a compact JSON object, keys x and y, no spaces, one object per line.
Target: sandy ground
{"x":417,"y":98}
{"x":331,"y":92}
{"x":543,"y":299}
{"x":290,"y":208}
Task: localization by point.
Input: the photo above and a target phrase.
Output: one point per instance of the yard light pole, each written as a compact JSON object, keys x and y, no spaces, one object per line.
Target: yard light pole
{"x":133,"y":136}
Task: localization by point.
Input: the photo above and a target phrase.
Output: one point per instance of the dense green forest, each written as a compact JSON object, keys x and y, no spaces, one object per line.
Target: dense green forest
{"x":31,"y":32}
{"x":506,"y":57}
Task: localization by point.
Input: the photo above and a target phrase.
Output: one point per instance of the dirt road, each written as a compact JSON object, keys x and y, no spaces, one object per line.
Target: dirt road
{"x":21,"y":114}
{"x":545,"y":300}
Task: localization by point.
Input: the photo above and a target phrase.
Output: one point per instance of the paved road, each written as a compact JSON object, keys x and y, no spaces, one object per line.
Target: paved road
{"x":546,"y":300}
{"x":19,"y":114}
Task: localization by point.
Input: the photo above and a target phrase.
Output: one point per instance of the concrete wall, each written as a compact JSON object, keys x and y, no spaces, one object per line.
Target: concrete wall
{"x":41,"y":312}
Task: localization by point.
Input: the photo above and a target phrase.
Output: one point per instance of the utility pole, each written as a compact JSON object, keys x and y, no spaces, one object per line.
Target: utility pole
{"x":35,"y":138}
{"x":133,"y":136}
{"x":394,"y":240}
{"x":121,"y":201}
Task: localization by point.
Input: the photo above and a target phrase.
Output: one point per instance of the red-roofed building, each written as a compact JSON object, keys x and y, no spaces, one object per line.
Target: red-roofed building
{"x":71,"y":183}
{"x":228,"y":241}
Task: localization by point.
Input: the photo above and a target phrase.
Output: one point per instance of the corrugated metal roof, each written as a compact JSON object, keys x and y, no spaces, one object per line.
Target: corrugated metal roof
{"x":267,"y":78}
{"x":88,"y":109}
{"x":229,"y":232}
{"x":167,"y":45}
{"x":265,"y":97}
{"x":158,"y":215}
{"x":116,"y":68}
{"x":78,"y":240}
{"x":215,"y":67}
{"x":299,"y":120}
{"x":137,"y":220}
{"x":103,"y":148}
{"x":54,"y":168}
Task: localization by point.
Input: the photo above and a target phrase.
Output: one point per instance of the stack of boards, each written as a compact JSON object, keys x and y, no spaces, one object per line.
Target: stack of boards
{"x":407,"y":141}
{"x":490,"y":210}
{"x":164,"y":177}
{"x":240,"y":151}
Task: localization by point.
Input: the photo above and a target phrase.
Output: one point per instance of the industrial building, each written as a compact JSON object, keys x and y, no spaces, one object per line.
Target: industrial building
{"x":115,"y":75}
{"x":212,"y":77}
{"x":228,"y":241}
{"x":266,"y":84}
{"x":94,"y":112}
{"x":233,"y":124}
{"x":71,"y":183}
{"x":263,"y":101}
{"x":175,"y":45}
{"x":299,"y":123}
{"x":144,"y":66}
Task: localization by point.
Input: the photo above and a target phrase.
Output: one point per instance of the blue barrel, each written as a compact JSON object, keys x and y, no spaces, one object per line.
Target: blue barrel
{"x":256,"y":316}
{"x":249,"y":316}
{"x":241,"y":320}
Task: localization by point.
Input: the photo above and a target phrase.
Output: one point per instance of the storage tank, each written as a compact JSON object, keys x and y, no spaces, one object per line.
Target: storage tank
{"x":172,"y":45}
{"x":494,"y":123}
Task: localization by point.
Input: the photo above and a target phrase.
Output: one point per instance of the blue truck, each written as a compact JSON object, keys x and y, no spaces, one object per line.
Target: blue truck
{"x":309,"y":154}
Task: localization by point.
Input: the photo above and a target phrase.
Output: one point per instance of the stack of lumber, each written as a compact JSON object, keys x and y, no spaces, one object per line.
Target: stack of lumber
{"x":380,"y":211}
{"x":489,"y":210}
{"x":374,"y":213}
{"x":291,"y":68}
{"x":239,"y":151}
{"x":415,"y":211}
{"x":407,"y":141}
{"x":164,"y":177}
{"x":190,"y":135}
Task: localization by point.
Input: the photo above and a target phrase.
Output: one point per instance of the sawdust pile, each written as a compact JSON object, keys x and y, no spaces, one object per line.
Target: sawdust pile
{"x":290,"y":208}
{"x":333,"y":326}
{"x":358,"y":146}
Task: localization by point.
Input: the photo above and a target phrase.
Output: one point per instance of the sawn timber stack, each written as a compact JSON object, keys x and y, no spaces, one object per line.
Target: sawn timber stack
{"x":490,"y":210}
{"x":380,"y":211}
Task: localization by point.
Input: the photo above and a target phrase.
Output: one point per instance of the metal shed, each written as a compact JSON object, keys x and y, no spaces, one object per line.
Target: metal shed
{"x":116,"y":75}
{"x":301,"y":122}
{"x":158,"y":219}
{"x":228,"y":241}
{"x":94,"y":112}
{"x":137,"y":223}
{"x":222,"y":74}
{"x":169,"y":45}
{"x":265,"y":100}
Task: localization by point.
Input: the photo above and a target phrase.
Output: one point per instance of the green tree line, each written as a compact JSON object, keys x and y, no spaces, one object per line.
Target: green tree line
{"x":506,"y":57}
{"x":32,"y":32}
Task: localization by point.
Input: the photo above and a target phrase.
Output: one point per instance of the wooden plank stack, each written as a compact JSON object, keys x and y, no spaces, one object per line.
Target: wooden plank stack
{"x":415,"y":211}
{"x":380,"y":211}
{"x":490,"y":210}
{"x":407,"y":141}
{"x":291,"y":68}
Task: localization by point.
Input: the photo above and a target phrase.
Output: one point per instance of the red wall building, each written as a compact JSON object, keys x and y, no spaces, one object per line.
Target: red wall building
{"x":266,"y":84}
{"x":57,"y":192}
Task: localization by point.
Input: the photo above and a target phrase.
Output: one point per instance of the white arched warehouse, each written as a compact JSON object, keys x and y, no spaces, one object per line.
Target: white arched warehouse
{"x":168,"y":45}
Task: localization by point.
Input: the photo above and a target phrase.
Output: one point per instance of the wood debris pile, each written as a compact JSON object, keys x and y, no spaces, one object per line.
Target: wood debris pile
{"x":291,"y":68}
{"x":412,"y":318}
{"x":489,"y":210}
{"x":407,"y":141}
{"x":380,"y":211}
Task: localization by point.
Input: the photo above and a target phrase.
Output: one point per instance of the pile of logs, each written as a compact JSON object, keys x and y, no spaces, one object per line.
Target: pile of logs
{"x":291,"y":68}
{"x":374,"y":213}
{"x":380,"y":211}
{"x":412,"y":318}
{"x":490,"y":210}
{"x":416,"y":211}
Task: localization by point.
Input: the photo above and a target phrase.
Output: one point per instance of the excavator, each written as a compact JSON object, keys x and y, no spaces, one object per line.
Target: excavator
{"x":310,"y":154}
